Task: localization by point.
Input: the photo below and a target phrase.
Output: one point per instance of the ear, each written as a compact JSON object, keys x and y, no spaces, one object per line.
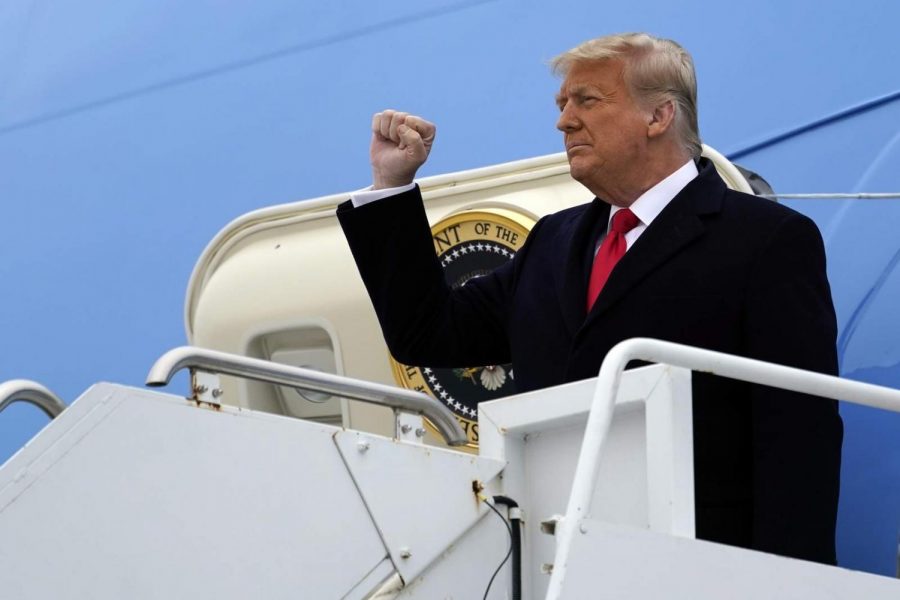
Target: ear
{"x":661,"y":119}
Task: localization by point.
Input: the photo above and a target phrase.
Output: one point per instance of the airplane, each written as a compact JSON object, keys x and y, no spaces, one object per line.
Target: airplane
{"x":129,"y":141}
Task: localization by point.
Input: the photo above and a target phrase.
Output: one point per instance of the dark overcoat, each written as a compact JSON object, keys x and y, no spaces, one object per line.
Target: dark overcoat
{"x":716,"y":269}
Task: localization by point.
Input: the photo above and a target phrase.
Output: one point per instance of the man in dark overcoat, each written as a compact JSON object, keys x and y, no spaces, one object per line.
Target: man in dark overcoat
{"x":666,"y":251}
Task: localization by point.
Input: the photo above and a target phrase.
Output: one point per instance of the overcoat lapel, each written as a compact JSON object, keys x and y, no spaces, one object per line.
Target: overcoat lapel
{"x":675,"y":227}
{"x":573,"y":291}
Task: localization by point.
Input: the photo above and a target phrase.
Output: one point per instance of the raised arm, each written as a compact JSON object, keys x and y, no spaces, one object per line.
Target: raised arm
{"x":424,"y":321}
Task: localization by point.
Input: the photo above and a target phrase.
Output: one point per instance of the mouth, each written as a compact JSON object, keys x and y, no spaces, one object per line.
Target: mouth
{"x":573,"y":146}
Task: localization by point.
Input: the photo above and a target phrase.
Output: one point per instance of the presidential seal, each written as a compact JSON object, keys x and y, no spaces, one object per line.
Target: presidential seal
{"x":469,"y":244}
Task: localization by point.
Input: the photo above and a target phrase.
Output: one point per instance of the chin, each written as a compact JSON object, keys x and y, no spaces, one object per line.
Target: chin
{"x":578,"y":172}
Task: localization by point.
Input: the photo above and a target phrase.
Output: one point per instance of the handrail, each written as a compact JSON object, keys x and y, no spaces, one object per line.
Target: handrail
{"x":306,"y":379}
{"x":697,"y":359}
{"x":25,"y":390}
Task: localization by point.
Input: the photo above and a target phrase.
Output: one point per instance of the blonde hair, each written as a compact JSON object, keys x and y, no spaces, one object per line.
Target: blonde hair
{"x":655,"y":70}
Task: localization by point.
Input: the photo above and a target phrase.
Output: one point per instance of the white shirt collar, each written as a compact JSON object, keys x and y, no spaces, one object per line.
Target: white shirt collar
{"x":649,"y":204}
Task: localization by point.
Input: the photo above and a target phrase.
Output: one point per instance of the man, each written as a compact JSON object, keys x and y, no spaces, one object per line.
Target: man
{"x":687,"y":260}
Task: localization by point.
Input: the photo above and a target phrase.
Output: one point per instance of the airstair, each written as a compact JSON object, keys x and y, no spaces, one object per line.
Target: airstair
{"x":134,"y":493}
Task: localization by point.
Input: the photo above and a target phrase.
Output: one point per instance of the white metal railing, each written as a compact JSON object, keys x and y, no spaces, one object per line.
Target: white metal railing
{"x":697,"y":359}
{"x":212,"y":361}
{"x":32,"y":392}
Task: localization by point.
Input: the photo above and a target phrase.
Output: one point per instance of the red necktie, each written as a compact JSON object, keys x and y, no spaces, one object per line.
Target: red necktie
{"x":611,"y":250}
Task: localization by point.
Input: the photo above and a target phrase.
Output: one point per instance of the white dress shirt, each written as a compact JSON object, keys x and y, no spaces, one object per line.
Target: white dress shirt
{"x":369,"y":195}
{"x":649,"y":204}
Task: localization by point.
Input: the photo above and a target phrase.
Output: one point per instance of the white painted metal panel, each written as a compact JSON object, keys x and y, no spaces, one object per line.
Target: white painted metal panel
{"x":134,"y":494}
{"x":374,"y":580}
{"x":420,"y":498}
{"x":613,"y":561}
{"x":465,"y":567}
{"x":646,"y":470}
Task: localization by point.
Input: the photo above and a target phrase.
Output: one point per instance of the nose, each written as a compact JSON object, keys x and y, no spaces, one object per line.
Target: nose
{"x":567,"y":121}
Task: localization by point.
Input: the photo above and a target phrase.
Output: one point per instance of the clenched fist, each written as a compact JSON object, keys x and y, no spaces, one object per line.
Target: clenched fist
{"x":400,"y":145}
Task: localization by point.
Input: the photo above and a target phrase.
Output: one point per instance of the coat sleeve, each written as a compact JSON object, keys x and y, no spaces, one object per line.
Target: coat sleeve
{"x":797,"y":438}
{"x":423,"y":320}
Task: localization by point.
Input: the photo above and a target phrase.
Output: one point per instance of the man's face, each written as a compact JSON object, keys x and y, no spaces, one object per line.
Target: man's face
{"x":604,"y":130}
